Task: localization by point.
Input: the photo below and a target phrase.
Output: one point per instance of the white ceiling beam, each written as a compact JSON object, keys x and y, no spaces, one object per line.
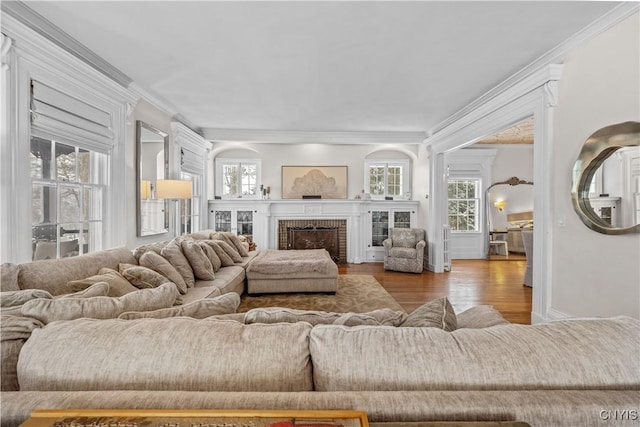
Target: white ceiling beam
{"x":312,"y":137}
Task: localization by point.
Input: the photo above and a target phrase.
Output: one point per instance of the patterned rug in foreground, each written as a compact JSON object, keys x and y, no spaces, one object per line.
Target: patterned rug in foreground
{"x":356,"y":294}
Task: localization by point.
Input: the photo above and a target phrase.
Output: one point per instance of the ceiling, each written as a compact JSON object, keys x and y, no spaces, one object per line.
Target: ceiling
{"x":319,"y":66}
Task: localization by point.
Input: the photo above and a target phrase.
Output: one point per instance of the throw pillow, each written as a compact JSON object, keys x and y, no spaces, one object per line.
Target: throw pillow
{"x":223,"y":304}
{"x":49,"y":310}
{"x":480,"y":316}
{"x":172,"y":252}
{"x":220,"y":235}
{"x":16,"y":298}
{"x":229,"y":250}
{"x":437,"y":314}
{"x":157,"y":263}
{"x":14,"y":331}
{"x":143,"y":277}
{"x":155,"y":247}
{"x":225,"y":259}
{"x":200,"y":264}
{"x":383,"y":316}
{"x":100,"y":289}
{"x":9,"y":277}
{"x":211,"y":254}
{"x":118,"y":285}
{"x":232,"y":239}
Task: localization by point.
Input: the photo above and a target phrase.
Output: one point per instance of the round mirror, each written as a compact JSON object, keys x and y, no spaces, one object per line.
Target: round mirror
{"x":606,"y":188}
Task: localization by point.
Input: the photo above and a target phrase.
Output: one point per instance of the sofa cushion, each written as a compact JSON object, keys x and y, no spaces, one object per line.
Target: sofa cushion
{"x":211,"y":255}
{"x":436,"y":314}
{"x":225,"y":259}
{"x":230,"y":250}
{"x":480,"y":316}
{"x":556,"y":355}
{"x":143,"y":277}
{"x":118,"y":285}
{"x":228,"y":279}
{"x":200,"y":264}
{"x":289,"y":315}
{"x":100,"y":289}
{"x":47,"y":311}
{"x":173,"y":253}
{"x":16,"y":298}
{"x":9,"y":277}
{"x":14,"y":331}
{"x":159,"y":264}
{"x":223,"y":304}
{"x":155,"y":247}
{"x":167,"y":354}
{"x":52,"y":275}
{"x":232,"y":239}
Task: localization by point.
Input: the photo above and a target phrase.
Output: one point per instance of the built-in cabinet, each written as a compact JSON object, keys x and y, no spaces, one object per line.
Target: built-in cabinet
{"x":368,"y":222}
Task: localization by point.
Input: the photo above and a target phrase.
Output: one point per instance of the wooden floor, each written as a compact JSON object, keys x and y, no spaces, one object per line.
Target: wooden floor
{"x":469,"y":283}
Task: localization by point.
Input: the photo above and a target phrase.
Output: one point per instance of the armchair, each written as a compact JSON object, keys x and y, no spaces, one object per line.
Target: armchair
{"x":404,"y":250}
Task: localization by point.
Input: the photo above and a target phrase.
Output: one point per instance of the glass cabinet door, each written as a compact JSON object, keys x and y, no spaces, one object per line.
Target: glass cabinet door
{"x":402,"y":219}
{"x":379,"y":227}
{"x":222,"y":220}
{"x":245,"y":223}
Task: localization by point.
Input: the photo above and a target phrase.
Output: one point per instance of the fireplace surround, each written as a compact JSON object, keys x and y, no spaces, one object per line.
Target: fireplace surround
{"x":329,"y":234}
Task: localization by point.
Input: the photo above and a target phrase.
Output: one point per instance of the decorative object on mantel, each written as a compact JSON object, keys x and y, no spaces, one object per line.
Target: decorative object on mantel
{"x":596,"y":149}
{"x":328,"y":182}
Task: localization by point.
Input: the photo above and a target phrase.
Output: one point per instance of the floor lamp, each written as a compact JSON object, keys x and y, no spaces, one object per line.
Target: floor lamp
{"x":174,"y":189}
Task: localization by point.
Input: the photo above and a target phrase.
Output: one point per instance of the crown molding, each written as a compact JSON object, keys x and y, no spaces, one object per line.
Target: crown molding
{"x":312,"y":137}
{"x":554,"y":56}
{"x":160,"y":103}
{"x":189,"y":139}
{"x":36,"y":22}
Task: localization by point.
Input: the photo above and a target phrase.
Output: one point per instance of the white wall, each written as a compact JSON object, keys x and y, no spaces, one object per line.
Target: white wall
{"x":274,"y":156}
{"x":510,"y":161}
{"x":594,"y":274}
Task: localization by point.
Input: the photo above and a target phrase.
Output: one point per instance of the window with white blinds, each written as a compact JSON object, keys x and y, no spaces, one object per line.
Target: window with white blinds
{"x":69,"y":157}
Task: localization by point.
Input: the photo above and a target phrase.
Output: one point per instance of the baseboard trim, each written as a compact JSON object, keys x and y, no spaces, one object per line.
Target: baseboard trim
{"x":553,"y":314}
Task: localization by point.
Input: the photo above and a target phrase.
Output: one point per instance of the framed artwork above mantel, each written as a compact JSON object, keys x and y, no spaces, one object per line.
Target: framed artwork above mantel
{"x":318,"y":182}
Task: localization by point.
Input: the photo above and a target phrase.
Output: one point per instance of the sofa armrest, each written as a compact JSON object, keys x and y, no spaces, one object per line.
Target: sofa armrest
{"x":387,"y":244}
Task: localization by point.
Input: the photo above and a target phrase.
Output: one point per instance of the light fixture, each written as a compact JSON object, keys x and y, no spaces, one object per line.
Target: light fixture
{"x":500,"y":204}
{"x":145,"y":189}
{"x":177,"y":190}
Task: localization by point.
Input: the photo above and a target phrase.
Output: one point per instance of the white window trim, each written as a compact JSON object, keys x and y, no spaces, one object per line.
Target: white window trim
{"x":220,"y":162}
{"x":406,"y":177}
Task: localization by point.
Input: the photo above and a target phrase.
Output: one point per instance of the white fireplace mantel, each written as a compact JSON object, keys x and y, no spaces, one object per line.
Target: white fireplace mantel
{"x":267,"y":213}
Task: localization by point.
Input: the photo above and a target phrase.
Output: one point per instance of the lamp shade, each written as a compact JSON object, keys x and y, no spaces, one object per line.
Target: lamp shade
{"x":145,"y":189}
{"x":173,"y":189}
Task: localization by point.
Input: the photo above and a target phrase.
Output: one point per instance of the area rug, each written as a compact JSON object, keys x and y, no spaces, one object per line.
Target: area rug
{"x":355,"y":294}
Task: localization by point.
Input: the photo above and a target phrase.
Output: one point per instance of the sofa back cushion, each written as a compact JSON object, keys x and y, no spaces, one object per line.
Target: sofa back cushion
{"x":9,"y":277}
{"x":50,"y":310}
{"x":167,"y":354}
{"x":577,"y":354}
{"x":52,"y":275}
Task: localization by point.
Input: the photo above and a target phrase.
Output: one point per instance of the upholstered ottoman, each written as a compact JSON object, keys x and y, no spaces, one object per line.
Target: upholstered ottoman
{"x":281,"y":271}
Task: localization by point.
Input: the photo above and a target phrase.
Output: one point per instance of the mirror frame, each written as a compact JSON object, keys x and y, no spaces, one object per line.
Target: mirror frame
{"x":140,"y":125}
{"x":596,"y":149}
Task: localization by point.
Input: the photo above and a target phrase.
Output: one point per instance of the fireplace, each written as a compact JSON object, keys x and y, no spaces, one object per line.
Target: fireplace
{"x":315,"y":234}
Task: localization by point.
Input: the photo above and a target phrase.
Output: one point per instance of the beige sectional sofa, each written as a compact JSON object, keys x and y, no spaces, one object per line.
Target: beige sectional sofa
{"x":567,"y":373}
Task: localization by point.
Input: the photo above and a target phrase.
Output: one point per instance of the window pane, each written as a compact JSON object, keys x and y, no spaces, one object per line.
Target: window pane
{"x":70,"y":210}
{"x":43,"y":204}
{"x":376,"y":180}
{"x":249,"y":179}
{"x":40,"y":158}
{"x":84,"y":165}
{"x":229,"y":179}
{"x":394,"y":179}
{"x":65,"y":163}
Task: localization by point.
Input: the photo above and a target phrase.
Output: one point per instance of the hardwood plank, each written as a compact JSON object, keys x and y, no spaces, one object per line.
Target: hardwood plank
{"x":469,"y":283}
